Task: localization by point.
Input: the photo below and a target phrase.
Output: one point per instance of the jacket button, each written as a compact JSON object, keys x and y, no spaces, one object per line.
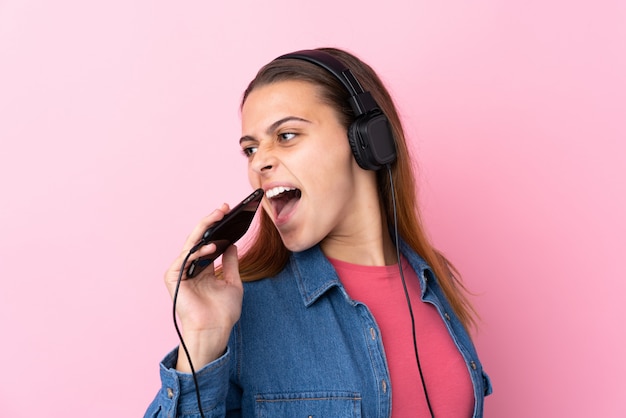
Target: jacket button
{"x":170,"y":393}
{"x":473,"y":364}
{"x":384,"y":384}
{"x":373,"y":333}
{"x":447,"y":316}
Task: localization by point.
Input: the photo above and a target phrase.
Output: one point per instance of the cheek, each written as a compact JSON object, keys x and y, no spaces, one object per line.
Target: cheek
{"x":334,"y":151}
{"x":337,"y":159}
{"x":253,"y":179}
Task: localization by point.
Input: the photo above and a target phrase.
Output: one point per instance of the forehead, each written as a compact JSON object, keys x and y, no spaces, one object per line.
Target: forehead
{"x":282,"y":96}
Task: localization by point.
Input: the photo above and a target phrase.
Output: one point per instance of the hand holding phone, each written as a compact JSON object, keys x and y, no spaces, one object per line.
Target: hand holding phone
{"x":226,"y":232}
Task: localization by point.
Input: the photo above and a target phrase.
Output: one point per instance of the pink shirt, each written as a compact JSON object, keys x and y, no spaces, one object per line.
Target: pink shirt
{"x":446,"y":375}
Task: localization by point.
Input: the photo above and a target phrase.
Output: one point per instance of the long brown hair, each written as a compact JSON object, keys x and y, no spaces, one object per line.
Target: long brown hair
{"x":266,"y":255}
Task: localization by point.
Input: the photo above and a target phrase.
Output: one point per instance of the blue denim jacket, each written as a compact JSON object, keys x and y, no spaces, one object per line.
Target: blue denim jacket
{"x":302,"y":347}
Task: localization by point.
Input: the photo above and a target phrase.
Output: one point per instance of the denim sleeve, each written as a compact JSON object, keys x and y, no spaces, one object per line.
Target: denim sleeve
{"x":177,"y":396}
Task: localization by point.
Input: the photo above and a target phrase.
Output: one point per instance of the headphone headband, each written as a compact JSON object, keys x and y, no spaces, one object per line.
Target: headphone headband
{"x":361,"y":101}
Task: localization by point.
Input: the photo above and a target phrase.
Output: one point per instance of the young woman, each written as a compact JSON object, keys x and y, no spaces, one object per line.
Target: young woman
{"x":348,"y":310}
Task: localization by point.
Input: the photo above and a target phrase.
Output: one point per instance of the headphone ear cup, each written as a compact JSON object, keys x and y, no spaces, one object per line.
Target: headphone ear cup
{"x":356,"y":144}
{"x":372,"y":142}
{"x":359,"y":147}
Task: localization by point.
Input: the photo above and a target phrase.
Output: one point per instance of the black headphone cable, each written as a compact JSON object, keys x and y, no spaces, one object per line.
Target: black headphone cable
{"x":180,"y":336}
{"x":406,"y":291}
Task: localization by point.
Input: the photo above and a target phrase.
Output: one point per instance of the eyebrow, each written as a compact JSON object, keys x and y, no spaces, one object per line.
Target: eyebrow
{"x":275,"y":126}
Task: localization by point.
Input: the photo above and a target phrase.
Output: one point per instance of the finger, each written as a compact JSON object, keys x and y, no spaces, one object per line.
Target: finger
{"x":206,"y":249}
{"x":172,"y":274}
{"x":203,"y":263}
{"x":230,"y":264}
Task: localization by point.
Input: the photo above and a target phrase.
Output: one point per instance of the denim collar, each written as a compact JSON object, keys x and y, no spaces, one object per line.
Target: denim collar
{"x":315,"y":275}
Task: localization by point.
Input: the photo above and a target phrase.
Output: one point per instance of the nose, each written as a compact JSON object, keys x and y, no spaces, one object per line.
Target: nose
{"x":264,"y":160}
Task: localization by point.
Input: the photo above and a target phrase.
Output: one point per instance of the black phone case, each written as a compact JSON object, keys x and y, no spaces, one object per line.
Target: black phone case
{"x":227,"y":231}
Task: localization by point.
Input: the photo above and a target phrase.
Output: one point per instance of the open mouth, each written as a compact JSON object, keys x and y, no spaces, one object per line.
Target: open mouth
{"x":283,"y":199}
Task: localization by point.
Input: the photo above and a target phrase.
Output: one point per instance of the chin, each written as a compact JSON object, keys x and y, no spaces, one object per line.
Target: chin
{"x":297,"y":245}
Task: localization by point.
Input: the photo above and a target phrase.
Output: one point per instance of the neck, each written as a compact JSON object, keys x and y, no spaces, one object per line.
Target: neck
{"x":372,"y":246}
{"x":362,"y":237}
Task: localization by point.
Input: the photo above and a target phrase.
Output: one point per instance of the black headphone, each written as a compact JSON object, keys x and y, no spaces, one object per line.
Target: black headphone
{"x":370,"y":134}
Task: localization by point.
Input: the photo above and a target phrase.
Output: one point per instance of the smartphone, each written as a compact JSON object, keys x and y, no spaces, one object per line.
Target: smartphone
{"x":227,"y":231}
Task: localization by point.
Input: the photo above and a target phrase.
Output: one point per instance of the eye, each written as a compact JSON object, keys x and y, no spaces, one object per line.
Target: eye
{"x":286,"y":136}
{"x":248,"y":151}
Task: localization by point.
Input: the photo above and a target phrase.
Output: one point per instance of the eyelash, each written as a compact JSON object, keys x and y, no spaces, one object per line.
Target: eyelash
{"x":249,"y":151}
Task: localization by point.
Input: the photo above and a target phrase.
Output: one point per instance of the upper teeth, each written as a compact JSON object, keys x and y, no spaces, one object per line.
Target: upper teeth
{"x":275,"y":191}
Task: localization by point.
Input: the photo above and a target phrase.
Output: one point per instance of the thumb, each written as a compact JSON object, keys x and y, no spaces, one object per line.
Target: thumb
{"x":230,"y":264}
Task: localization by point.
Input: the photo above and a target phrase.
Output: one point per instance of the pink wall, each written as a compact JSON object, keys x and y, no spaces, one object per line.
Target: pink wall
{"x":119,"y":127}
